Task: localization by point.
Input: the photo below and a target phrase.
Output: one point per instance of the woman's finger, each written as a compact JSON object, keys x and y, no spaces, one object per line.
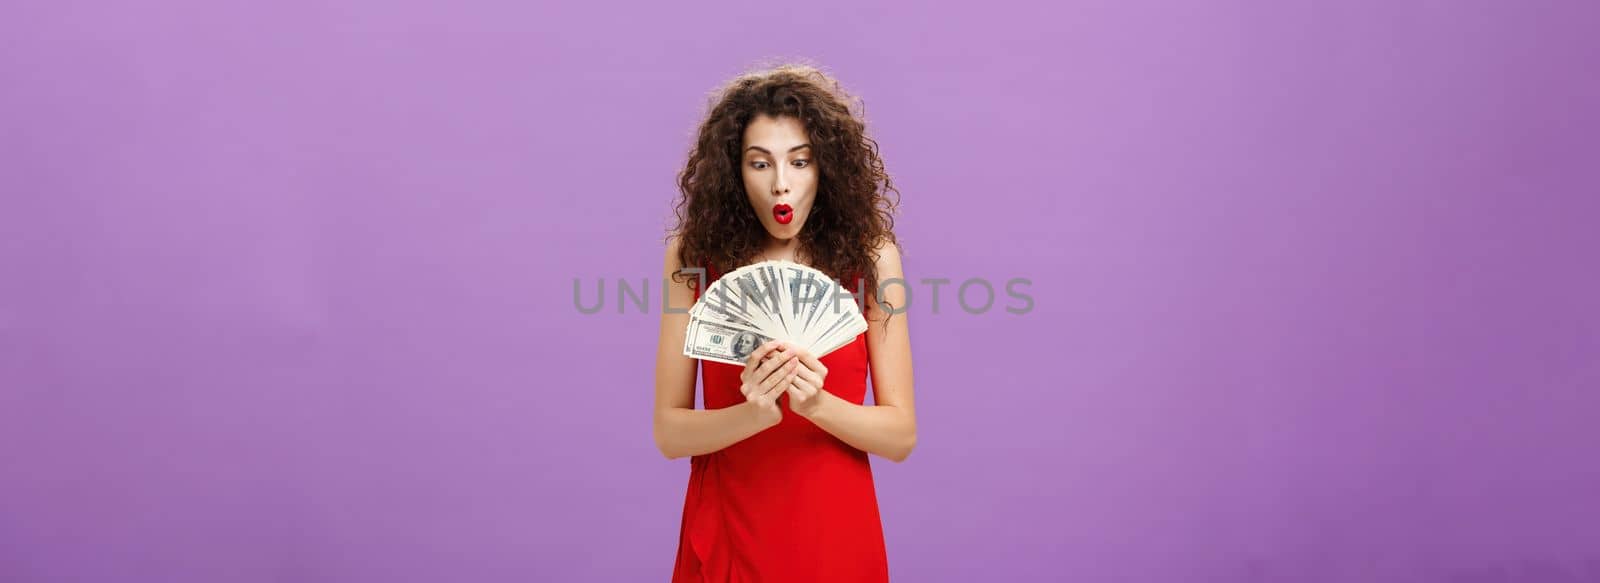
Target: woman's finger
{"x":779,"y":376}
{"x":812,"y":362}
{"x":777,"y":366}
{"x":770,"y":366}
{"x":785,"y":381}
{"x":810,"y":377}
{"x":755,"y":358}
{"x":779,"y":389}
{"x":803,"y":389}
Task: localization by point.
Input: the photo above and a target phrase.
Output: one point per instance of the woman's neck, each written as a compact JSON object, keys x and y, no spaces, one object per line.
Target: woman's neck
{"x":777,"y":250}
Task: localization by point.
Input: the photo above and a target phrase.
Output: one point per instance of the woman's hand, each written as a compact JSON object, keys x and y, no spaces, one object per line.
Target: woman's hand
{"x":767,"y":373}
{"x":805,"y":391}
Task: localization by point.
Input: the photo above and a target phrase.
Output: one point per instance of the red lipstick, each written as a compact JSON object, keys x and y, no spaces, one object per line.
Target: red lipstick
{"x":783,"y":214}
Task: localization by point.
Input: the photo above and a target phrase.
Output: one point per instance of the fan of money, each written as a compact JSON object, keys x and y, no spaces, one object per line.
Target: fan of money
{"x":771,"y":300}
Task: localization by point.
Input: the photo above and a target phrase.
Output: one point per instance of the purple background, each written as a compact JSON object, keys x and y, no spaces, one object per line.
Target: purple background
{"x":287,"y":288}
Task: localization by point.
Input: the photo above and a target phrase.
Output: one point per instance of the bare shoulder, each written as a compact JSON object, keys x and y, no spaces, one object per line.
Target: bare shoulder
{"x":891,"y":282}
{"x":678,"y":279}
{"x":888,"y":260}
{"x":674,"y":244}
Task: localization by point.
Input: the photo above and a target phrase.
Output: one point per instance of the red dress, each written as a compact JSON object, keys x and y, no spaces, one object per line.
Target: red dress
{"x":790,"y":503}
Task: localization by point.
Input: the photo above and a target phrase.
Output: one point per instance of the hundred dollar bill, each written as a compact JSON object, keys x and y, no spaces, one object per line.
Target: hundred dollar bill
{"x":723,"y":307}
{"x":808,"y":292}
{"x":841,"y":337}
{"x":771,"y":278}
{"x":715,"y":342}
{"x":742,"y":295}
{"x":771,"y":300}
{"x":733,"y":319}
{"x":754,"y":284}
{"x":831,"y":322}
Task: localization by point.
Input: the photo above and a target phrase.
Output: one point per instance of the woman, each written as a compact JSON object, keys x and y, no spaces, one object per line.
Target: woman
{"x":780,"y":488}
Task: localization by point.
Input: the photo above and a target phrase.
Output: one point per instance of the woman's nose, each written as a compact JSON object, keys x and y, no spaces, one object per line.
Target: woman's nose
{"x":780,"y":186}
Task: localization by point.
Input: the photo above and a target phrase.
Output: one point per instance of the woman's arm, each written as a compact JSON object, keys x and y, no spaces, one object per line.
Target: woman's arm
{"x":888,"y":428}
{"x":680,"y":429}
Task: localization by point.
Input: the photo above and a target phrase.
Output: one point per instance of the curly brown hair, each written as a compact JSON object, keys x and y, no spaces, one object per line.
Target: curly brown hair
{"x":853,"y":214}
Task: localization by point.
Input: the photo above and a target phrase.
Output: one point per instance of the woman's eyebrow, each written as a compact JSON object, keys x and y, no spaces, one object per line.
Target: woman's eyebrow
{"x":765,"y":151}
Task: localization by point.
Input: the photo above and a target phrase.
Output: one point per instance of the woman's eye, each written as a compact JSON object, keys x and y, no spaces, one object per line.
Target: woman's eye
{"x":801,"y":163}
{"x":758,"y":164}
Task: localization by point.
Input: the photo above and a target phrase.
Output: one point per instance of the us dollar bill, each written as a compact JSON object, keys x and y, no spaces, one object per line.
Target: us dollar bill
{"x":723,"y":307}
{"x":808,"y":292}
{"x":719,"y":343}
{"x":770,"y":300}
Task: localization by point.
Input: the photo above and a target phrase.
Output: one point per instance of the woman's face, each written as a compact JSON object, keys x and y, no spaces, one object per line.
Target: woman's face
{"x":780,"y":177}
